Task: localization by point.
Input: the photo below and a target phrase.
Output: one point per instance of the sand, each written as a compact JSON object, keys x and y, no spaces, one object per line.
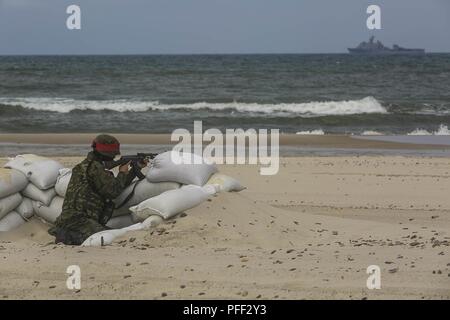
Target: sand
{"x":316,"y":141}
{"x":309,"y":232}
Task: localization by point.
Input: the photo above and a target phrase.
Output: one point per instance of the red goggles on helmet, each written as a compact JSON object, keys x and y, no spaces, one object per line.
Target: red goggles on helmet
{"x":102,"y":147}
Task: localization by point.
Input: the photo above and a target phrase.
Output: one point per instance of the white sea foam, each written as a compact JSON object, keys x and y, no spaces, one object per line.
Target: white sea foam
{"x":318,"y":132}
{"x":366,"y":105}
{"x":442,"y":131}
{"x":420,"y":132}
{"x":62,"y":105}
{"x":371,"y":133}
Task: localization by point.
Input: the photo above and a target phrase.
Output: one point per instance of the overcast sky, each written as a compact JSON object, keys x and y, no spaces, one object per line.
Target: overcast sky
{"x":218,"y":26}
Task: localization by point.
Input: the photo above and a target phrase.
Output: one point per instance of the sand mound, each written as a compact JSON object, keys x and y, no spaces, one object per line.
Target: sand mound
{"x":234,"y":220}
{"x":229,"y":219}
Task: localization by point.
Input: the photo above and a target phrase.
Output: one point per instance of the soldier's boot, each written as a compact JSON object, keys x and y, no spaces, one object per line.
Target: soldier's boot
{"x":67,"y":237}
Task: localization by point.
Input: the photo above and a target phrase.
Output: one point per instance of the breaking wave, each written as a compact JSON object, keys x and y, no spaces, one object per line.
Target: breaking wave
{"x":310,"y":109}
{"x":317,"y":132}
{"x":442,"y":131}
{"x":371,"y":133}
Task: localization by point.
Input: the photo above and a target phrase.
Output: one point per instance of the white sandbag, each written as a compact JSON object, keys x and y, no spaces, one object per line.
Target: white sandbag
{"x":226,"y":183}
{"x":151,"y":222}
{"x":11,"y":181}
{"x":184,"y":170}
{"x":143,"y":191}
{"x":9,"y":203}
{"x":36,"y":194}
{"x":104,"y":238}
{"x":120,"y":222}
{"x":25,"y":209}
{"x":42,"y":172}
{"x":49,"y":213}
{"x":170,"y":203}
{"x":62,"y":182}
{"x":11,"y":221}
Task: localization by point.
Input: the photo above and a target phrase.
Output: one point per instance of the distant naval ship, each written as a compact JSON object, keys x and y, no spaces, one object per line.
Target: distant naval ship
{"x":377,"y":48}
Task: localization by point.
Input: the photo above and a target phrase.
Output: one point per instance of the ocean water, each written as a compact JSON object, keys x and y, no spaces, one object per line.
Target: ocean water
{"x":325,"y":93}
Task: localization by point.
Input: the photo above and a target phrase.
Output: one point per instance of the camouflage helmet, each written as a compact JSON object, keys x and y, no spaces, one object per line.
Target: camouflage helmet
{"x":106,"y":145}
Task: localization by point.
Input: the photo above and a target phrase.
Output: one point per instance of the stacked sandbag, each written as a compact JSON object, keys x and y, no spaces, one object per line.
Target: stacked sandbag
{"x":9,"y":203}
{"x":11,"y":221}
{"x":51,"y":212}
{"x":173,"y":202}
{"x":62,"y":182}
{"x":42,"y":174}
{"x":184,"y":168}
{"x":120,"y":222}
{"x":11,"y":183}
{"x":34,"y":193}
{"x":226,"y":183}
{"x":40,"y":171}
{"x":199,"y":177}
{"x":140,"y":190}
{"x":25,"y":209}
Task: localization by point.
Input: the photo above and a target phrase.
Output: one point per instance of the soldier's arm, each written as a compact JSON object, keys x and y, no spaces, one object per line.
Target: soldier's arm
{"x":106,"y":184}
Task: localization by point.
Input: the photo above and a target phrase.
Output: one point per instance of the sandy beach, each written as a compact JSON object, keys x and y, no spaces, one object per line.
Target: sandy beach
{"x":309,"y":232}
{"x":316,"y":141}
{"x":331,"y":119}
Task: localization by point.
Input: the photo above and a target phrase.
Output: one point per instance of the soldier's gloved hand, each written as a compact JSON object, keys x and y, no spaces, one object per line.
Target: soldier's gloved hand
{"x":125,"y":168}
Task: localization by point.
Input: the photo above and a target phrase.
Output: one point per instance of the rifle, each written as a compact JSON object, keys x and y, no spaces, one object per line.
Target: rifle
{"x":135,"y":160}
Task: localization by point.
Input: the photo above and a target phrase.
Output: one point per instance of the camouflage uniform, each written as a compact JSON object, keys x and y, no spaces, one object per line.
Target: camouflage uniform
{"x":88,"y":203}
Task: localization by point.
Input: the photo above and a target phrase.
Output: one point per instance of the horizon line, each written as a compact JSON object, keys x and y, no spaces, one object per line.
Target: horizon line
{"x":187,"y":54}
